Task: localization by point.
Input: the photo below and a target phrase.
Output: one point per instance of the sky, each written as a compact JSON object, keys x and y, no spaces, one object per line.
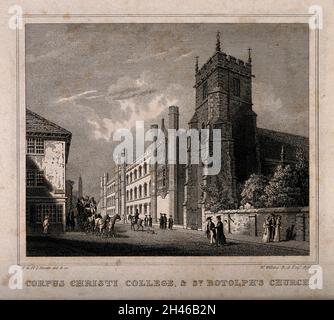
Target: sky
{"x":92,"y":79}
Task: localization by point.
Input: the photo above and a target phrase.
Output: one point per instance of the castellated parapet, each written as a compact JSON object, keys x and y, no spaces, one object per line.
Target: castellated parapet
{"x":222,"y":60}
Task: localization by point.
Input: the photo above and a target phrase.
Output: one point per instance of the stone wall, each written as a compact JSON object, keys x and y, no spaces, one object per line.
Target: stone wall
{"x":295,"y":222}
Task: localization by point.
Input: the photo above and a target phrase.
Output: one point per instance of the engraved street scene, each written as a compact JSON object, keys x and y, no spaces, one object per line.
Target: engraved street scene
{"x":167,"y":140}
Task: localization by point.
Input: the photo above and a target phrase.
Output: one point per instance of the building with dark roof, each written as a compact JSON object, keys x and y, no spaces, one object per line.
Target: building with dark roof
{"x":47,"y":150}
{"x":279,"y":148}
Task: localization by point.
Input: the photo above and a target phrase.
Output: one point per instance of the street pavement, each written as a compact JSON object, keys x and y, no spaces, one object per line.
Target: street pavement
{"x":156,"y":242}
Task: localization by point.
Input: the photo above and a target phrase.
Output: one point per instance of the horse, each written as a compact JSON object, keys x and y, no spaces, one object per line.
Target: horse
{"x":89,"y":225}
{"x":138,"y":222}
{"x":99,"y":224}
{"x":133,"y":222}
{"x":110,"y":224}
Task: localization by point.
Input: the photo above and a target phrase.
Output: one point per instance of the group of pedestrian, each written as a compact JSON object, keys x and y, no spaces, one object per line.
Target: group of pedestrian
{"x":140,"y":220}
{"x":148,"y":221}
{"x":272,"y":229}
{"x":165,"y":222}
{"x":215,"y":232}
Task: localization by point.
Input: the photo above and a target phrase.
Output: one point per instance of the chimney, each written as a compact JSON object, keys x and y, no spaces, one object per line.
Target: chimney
{"x":173,"y":117}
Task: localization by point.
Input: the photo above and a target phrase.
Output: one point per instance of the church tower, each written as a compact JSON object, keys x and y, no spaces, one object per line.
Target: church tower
{"x":223,"y":88}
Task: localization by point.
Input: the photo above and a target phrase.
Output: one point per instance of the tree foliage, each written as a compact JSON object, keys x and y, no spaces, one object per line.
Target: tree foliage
{"x":289,"y":185}
{"x":282,"y":189}
{"x":217,"y":196}
{"x":253,"y":190}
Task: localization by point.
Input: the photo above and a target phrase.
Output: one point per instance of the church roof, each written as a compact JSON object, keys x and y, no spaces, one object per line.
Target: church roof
{"x":39,"y":125}
{"x":193,"y":118}
{"x":282,"y":137}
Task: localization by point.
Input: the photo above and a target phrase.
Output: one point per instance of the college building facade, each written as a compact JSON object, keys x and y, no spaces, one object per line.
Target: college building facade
{"x":149,"y":188}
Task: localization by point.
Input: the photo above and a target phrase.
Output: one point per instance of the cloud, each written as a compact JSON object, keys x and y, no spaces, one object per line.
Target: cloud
{"x":183,"y":56}
{"x":127,"y":88}
{"x":78,"y":96}
{"x":94,"y":97}
{"x":52,"y":54}
{"x":131,"y":93}
{"x":268,"y":106}
{"x":172,"y":51}
{"x":265,"y":98}
{"x":139,"y":58}
{"x":131,"y":100}
{"x":105,"y":127}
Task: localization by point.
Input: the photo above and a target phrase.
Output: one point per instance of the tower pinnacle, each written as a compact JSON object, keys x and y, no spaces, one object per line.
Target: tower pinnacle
{"x":218,"y":42}
{"x":249,"y":56}
{"x":196,"y":65}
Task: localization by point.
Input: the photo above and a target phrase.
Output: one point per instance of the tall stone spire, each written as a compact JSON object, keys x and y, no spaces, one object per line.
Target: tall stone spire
{"x":249,"y":56}
{"x":218,"y":42}
{"x":80,"y":191}
{"x":196,"y":64}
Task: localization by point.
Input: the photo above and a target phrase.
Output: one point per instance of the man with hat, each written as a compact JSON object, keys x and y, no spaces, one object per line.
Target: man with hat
{"x":220,"y":236}
{"x":165,"y":220}
{"x":210,"y":230}
{"x":170,"y":222}
{"x":161,"y":221}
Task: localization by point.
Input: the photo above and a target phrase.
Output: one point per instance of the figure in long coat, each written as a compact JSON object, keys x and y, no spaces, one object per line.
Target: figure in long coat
{"x":165,"y":221}
{"x":277,"y":236}
{"x":161,"y":221}
{"x":266,"y":229}
{"x":170,"y":222}
{"x":210,"y":230}
{"x":220,"y":236}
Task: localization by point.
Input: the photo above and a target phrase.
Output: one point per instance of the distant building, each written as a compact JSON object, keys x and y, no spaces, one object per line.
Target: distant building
{"x":47,"y":150}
